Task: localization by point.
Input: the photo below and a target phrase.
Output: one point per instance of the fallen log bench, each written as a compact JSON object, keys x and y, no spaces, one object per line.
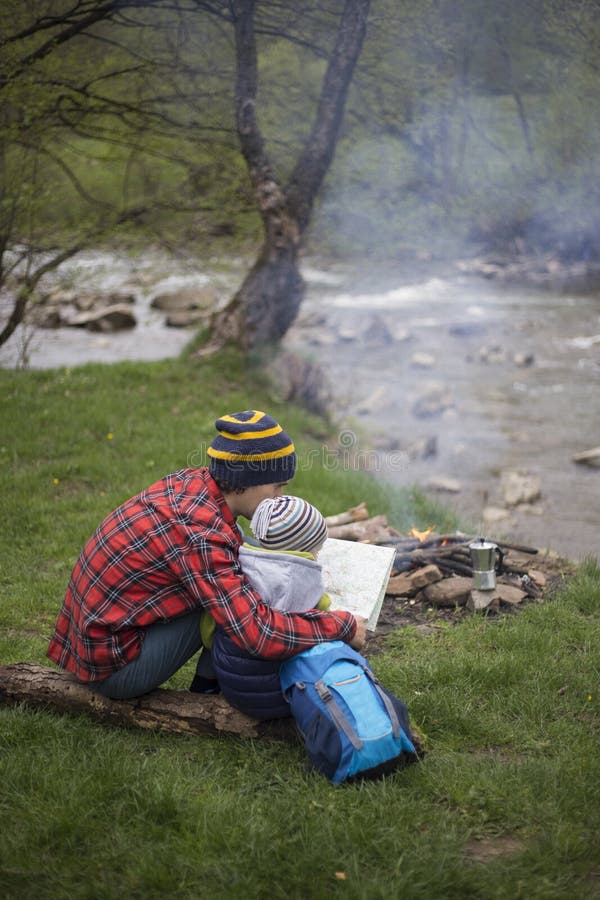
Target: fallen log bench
{"x":173,"y":712}
{"x":177,"y":712}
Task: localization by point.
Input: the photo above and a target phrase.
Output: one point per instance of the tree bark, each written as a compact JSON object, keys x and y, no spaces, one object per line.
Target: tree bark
{"x":268,"y":301}
{"x":178,"y":712}
{"x":16,"y":316}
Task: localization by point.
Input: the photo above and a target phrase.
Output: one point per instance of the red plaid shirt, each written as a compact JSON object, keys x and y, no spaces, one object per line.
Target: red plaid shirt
{"x":164,"y":553}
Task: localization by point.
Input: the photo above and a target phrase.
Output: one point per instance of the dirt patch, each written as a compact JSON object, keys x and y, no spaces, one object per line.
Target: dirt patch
{"x":484,"y":850}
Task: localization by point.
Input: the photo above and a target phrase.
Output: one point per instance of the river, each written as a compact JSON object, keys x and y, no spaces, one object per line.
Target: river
{"x":464,"y":337}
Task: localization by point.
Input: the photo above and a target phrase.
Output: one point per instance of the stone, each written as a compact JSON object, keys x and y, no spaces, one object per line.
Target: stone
{"x":311,"y":319}
{"x":444,"y":484}
{"x":387,"y":443}
{"x":422,"y":360}
{"x":433,"y":402}
{"x":589,"y":458}
{"x":424,"y":576}
{"x":300,"y":380}
{"x":47,"y":317}
{"x":322,"y":338}
{"x":347,"y":334}
{"x":466,"y":329}
{"x":86,"y":302}
{"x":492,"y":354}
{"x":493,"y":514}
{"x":377,"y":399}
{"x":400,"y":333}
{"x":399,"y":585}
{"x":378,"y":331}
{"x":107,"y":318}
{"x":121,"y":297}
{"x":185,"y":299}
{"x":409,"y":583}
{"x":509,"y":594}
{"x":532,"y":509}
{"x":520,"y":487}
{"x":538,"y":578}
{"x":452,"y":591}
{"x":423,"y":448}
{"x":523,"y":360}
{"x":479,"y":601}
{"x":59,"y":297}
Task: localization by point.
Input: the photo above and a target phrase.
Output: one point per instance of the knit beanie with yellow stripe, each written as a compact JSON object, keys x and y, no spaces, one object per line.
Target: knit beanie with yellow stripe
{"x":250,"y":449}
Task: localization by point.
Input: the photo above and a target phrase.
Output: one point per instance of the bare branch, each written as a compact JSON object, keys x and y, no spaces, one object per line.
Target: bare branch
{"x":318,"y":151}
{"x":32,"y":279}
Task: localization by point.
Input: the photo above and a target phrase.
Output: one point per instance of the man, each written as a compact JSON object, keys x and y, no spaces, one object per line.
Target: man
{"x":131,"y":613}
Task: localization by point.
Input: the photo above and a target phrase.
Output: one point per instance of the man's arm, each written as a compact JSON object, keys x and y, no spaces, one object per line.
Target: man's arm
{"x":213,"y":575}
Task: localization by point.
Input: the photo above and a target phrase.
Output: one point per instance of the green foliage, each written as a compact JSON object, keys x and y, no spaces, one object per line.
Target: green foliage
{"x":466,"y":125}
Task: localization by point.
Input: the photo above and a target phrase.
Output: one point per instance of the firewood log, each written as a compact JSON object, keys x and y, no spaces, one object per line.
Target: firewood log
{"x":176,"y":712}
{"x":355,"y":514}
{"x":179,"y":712}
{"x":366,"y":530}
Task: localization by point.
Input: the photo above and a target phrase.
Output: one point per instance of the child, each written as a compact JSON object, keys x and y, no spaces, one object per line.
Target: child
{"x":284,"y":571}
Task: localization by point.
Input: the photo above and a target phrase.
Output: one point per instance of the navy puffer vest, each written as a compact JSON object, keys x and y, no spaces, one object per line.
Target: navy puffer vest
{"x":249,"y":684}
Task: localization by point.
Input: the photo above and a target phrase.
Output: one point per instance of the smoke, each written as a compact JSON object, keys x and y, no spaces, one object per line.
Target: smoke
{"x":499,"y":159}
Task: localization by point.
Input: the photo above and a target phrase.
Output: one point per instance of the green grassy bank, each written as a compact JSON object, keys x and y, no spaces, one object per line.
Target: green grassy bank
{"x":505,"y":804}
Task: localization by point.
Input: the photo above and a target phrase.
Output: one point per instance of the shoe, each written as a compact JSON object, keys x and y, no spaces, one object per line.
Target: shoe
{"x":201,"y":685}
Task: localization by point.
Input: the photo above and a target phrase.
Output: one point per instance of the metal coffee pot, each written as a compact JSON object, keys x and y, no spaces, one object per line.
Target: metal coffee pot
{"x":487,"y":562}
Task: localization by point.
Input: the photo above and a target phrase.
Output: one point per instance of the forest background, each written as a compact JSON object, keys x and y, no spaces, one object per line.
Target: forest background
{"x":469,"y":127}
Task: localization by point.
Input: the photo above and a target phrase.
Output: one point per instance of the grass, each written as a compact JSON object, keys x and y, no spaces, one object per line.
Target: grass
{"x":505,"y":804}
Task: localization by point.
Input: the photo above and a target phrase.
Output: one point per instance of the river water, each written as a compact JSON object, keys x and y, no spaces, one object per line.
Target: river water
{"x":454,"y":336}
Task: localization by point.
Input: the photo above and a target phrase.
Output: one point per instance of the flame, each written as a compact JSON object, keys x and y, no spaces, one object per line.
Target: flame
{"x":421,"y":535}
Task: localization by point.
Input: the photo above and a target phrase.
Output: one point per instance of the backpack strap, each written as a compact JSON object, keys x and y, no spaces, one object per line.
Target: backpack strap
{"x":337,"y":715}
{"x":389,"y":706}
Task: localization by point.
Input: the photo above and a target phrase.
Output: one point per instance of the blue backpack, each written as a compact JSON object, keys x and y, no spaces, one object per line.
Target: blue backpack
{"x":352,"y":727}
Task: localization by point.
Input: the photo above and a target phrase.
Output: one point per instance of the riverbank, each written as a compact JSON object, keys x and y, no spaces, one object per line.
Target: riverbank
{"x":461,"y":385}
{"x":437,"y":375}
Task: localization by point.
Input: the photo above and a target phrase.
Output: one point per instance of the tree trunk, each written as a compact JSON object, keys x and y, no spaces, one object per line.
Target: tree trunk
{"x":266,"y":304}
{"x":179,"y":712}
{"x":268,"y":301}
{"x":17,"y":315}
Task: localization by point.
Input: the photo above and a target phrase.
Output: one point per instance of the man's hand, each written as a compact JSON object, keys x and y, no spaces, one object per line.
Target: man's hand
{"x":360,"y":635}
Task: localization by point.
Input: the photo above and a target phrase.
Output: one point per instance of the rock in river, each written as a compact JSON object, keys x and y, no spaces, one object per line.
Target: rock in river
{"x":589,"y":458}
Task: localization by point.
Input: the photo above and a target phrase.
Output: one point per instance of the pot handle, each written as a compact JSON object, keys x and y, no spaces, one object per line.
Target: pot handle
{"x":500,"y":561}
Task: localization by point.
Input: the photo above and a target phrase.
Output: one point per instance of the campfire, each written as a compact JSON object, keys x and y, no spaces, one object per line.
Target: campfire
{"x":437,"y":569}
{"x":421,"y":535}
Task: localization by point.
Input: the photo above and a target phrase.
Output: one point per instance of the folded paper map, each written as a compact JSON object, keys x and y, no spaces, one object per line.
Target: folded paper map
{"x":356,"y":575}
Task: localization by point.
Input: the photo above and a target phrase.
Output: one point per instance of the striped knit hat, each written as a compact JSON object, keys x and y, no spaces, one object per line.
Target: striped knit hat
{"x":288,"y":523}
{"x":250,"y":449}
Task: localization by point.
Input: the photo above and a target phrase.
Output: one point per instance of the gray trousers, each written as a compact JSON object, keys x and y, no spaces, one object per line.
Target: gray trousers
{"x":166,"y":648}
